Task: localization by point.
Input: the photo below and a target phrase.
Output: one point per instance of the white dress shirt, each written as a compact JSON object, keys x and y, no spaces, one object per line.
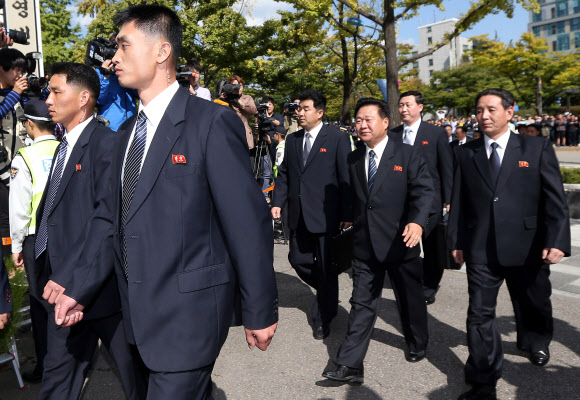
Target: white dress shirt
{"x":462,"y":142}
{"x":202,"y":92}
{"x":412,"y":133}
{"x":313,"y":133}
{"x":379,"y":149}
{"x":154,"y":111}
{"x":502,"y":142}
{"x":71,"y":138}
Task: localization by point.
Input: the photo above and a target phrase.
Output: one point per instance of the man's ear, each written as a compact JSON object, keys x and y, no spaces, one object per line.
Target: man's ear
{"x":164,"y":52}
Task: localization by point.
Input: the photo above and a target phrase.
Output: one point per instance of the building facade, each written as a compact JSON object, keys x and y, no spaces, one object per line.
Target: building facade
{"x":559,"y":23}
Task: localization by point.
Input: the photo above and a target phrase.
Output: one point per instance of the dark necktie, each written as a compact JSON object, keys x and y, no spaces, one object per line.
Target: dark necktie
{"x":372,"y":169}
{"x":42,"y":233}
{"x":307,"y":147}
{"x":494,"y":163}
{"x":131,"y":174}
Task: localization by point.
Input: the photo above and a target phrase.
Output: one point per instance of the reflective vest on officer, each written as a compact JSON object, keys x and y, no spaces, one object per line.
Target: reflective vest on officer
{"x":38,"y":158}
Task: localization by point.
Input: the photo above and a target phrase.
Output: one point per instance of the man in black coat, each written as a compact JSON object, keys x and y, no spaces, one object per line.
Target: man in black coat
{"x":5,"y":294}
{"x":509,"y":220}
{"x":393,"y":193}
{"x":313,"y":183}
{"x":462,"y":138}
{"x":434,"y":145}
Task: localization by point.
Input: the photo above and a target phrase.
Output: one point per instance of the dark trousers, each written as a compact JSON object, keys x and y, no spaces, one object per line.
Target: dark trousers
{"x":38,"y":314}
{"x":432,"y":271}
{"x":70,"y":351}
{"x":530,"y":289}
{"x":187,"y":385}
{"x":309,"y":257}
{"x":368,"y":279}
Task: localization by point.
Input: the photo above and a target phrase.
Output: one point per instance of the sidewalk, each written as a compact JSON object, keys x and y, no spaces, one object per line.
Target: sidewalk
{"x":291,"y":368}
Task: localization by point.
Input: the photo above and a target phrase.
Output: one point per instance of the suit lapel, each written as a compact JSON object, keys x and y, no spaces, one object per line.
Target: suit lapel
{"x":482,"y":163}
{"x":300,"y":148}
{"x":75,"y":156}
{"x":169,"y":129}
{"x":384,"y":166}
{"x":361,"y":171}
{"x":125,"y":135}
{"x":318,"y":142}
{"x":419,"y":136}
{"x":510,"y":161}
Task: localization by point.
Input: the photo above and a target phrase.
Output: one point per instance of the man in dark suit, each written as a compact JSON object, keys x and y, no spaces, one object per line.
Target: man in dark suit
{"x":77,"y":183}
{"x":434,"y":145}
{"x":5,"y":294}
{"x":313,"y":183}
{"x":509,"y":220}
{"x":393,"y":193}
{"x":191,"y":231}
{"x":461,"y":135}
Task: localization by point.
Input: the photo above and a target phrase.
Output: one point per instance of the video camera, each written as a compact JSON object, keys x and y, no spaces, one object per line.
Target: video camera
{"x":98,"y":50}
{"x":231,"y":91}
{"x":290,"y":107}
{"x":182,"y":74}
{"x":35,"y":84}
{"x":18,"y":36}
{"x":264,"y":122}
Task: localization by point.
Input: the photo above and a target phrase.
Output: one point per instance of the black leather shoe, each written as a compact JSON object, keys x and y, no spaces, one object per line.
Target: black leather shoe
{"x":430,"y":300}
{"x":413,"y":356}
{"x":480,"y":392}
{"x":321,"y":331}
{"x":345,"y":374}
{"x":540,"y":358}
{"x":33,"y":376}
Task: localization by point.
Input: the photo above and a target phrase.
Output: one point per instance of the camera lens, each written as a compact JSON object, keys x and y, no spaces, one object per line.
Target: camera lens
{"x":18,"y":36}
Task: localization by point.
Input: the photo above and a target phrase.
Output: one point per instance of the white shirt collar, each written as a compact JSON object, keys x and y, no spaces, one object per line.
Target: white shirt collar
{"x":379,"y":149}
{"x":43,"y":138}
{"x":414,"y":127}
{"x":501,"y":141}
{"x":156,"y":107}
{"x":314,"y":132}
{"x":75,"y":133}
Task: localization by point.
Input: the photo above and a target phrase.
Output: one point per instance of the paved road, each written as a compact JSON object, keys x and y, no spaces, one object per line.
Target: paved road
{"x":291,"y":368}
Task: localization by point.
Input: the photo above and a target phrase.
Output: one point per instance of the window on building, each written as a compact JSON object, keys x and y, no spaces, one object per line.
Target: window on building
{"x":429,"y":40}
{"x":537,"y":17}
{"x":562,"y":8}
{"x":428,"y":29}
{"x":561,"y":27}
{"x":430,"y":62}
{"x":430,"y":72}
{"x":537,"y":31}
{"x":554,"y":45}
{"x":465,"y":47}
{"x":563,"y":42}
{"x":575,"y":24}
{"x":553,"y":12}
{"x":577,"y":40}
{"x":576,"y":6}
{"x":416,"y":64}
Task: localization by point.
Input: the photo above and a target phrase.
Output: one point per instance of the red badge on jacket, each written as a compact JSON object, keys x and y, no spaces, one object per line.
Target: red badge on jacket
{"x":524,"y":164}
{"x":178,"y":159}
{"x":425,"y":142}
{"x":398,"y":168}
{"x":78,"y":167}
{"x":322,"y":150}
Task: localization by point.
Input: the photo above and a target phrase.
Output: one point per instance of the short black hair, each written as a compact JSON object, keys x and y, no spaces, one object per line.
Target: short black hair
{"x":154,"y":20}
{"x":418,"y":96}
{"x":368,"y":101}
{"x":44,"y":125}
{"x":507,"y":98}
{"x":80,"y":75}
{"x":194,"y":64}
{"x":318,"y":99}
{"x":267,"y":99}
{"x":283,"y":134}
{"x":462,"y":128}
{"x":11,"y":58}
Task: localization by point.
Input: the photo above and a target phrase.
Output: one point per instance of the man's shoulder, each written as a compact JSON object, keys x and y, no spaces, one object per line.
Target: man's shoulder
{"x":356,"y":155}
{"x":397,"y":129}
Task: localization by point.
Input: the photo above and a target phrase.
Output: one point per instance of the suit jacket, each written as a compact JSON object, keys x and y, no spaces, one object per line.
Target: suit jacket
{"x":319,"y":190}
{"x":198,"y":237}
{"x":402,"y":193}
{"x":83,"y":186}
{"x":511,"y":222}
{"x":5,"y":293}
{"x":455,"y":142}
{"x":434,"y":145}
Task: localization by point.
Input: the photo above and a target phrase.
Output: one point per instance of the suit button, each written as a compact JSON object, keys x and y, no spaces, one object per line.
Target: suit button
{"x":302,"y":180}
{"x":496,"y":199}
{"x":370,"y":208}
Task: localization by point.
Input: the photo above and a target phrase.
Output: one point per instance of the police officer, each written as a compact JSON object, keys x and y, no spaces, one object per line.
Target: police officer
{"x":29,"y":174}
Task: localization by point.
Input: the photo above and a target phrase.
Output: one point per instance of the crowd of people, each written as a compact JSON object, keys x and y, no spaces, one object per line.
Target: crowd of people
{"x":153,"y":236}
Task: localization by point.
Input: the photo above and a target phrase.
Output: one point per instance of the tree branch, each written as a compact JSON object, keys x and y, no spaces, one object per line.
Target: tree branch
{"x":362,"y":12}
{"x":354,"y":33}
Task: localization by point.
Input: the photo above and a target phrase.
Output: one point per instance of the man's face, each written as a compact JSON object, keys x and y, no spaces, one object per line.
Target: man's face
{"x":460,"y":133}
{"x":409,"y":110}
{"x":136,"y":58}
{"x":492,"y":117}
{"x":448,"y":130}
{"x":64,"y":100}
{"x":308,"y":116}
{"x":10,"y":77}
{"x":370,"y":127}
{"x":270,"y":108}
{"x":194,"y":77}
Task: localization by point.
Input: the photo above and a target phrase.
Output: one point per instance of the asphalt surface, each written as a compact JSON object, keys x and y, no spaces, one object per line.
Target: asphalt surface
{"x":292,"y":366}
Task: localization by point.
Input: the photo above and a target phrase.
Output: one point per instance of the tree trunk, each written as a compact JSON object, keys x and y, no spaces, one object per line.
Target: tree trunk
{"x":392,"y":64}
{"x":539,"y":105}
{"x":347,"y":77}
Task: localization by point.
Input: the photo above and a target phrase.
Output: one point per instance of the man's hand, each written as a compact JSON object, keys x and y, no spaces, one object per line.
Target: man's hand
{"x":52,"y":291}
{"x":412,"y":234}
{"x":276,"y":212}
{"x":276,"y":122}
{"x":345,"y":225}
{"x":458,"y":256}
{"x":4,"y":319}
{"x":67,"y":311}
{"x":21,"y":85}
{"x":191,"y":90}
{"x":107,"y":65}
{"x":5,"y":40}
{"x":17,"y":259}
{"x":552,"y":255}
{"x":448,"y":207}
{"x":260,"y":338}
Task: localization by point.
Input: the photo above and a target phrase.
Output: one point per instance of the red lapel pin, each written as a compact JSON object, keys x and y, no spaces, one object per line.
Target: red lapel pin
{"x":398,"y":168}
{"x":322,"y":150}
{"x":178,"y":159}
{"x":524,"y":164}
{"x":425,"y":142}
{"x":78,"y":167}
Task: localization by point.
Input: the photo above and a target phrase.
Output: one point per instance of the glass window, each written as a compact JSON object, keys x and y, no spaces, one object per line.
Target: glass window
{"x":562,"y":8}
{"x":561,"y":27}
{"x":554,"y":45}
{"x":576,"y":5}
{"x":553,"y":30}
{"x":428,"y":29}
{"x":536,"y":30}
{"x":575,"y":24}
{"x":465,"y":47}
{"x":577,"y":40}
{"x":414,"y":53}
{"x":429,"y":40}
{"x":430,"y":72}
{"x":430,"y":62}
{"x":563,"y":42}
{"x":537,"y":17}
{"x":416,"y":64}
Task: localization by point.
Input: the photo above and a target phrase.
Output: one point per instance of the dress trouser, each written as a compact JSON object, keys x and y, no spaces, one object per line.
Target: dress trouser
{"x":70,"y":351}
{"x":432,"y":271}
{"x":38,"y":314}
{"x":309,"y":256}
{"x":531,"y":289}
{"x":187,"y":385}
{"x":368,"y":281}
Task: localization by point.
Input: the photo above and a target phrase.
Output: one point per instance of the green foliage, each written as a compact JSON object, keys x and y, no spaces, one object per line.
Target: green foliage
{"x":18,"y":286}
{"x":59,"y":38}
{"x":570,"y":175}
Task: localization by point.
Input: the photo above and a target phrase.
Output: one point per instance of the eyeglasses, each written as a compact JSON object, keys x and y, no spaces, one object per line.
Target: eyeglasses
{"x":24,"y":122}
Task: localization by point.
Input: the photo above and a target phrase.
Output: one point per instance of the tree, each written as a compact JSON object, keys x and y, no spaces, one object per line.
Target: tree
{"x":58,"y":36}
{"x":391,"y":12}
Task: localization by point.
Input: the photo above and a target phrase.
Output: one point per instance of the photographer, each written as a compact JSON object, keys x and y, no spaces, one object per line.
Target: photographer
{"x":115,"y":103}
{"x":194,"y":87}
{"x":244,"y":107}
{"x":5,"y":40}
{"x":291,"y":116}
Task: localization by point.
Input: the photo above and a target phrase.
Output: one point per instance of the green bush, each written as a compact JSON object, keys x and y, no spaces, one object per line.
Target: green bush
{"x":570,"y":175}
{"x":18,"y":287}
